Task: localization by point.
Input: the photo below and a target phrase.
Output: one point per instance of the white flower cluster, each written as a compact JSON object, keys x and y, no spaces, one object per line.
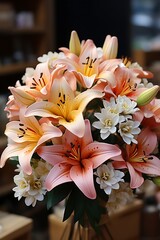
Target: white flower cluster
{"x":108,"y":177}
{"x":119,"y":198}
{"x":31,"y":187}
{"x":117,"y":117}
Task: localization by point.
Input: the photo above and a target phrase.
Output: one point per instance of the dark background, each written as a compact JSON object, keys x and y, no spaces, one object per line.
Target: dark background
{"x":94,"y":19}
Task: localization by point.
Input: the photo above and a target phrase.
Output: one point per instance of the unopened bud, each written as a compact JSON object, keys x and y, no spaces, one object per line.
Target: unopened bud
{"x":156,"y":180}
{"x":74,"y":43}
{"x":110,"y":47}
{"x":147,"y":96}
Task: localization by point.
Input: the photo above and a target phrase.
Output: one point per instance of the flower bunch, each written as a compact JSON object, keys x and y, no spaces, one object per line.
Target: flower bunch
{"x":83,"y":125}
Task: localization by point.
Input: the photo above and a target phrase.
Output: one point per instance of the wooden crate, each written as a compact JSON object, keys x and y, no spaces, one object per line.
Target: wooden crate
{"x":15,"y":227}
{"x":125,"y":224}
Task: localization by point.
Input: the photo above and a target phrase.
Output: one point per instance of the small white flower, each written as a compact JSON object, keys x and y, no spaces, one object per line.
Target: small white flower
{"x":51,"y":57}
{"x":128,"y":129}
{"x":108,"y":177}
{"x":113,"y":106}
{"x":107,"y":123}
{"x":145,"y":84}
{"x":119,"y":197}
{"x":22,"y":185}
{"x":31,"y":187}
{"x":29,"y":73}
{"x":108,"y":118}
{"x":48,"y":56}
{"x":127,"y":105}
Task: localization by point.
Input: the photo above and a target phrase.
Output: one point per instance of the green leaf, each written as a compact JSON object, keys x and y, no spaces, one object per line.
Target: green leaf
{"x":58,"y":194}
{"x":80,"y":201}
{"x":76,"y":204}
{"x":94,"y":211}
{"x":69,"y":207}
{"x":83,"y":207}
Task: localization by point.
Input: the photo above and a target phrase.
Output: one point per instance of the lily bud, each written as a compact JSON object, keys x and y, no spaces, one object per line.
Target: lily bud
{"x":147,"y":96}
{"x":156,"y":180}
{"x":74,"y":43}
{"x":110,"y":47}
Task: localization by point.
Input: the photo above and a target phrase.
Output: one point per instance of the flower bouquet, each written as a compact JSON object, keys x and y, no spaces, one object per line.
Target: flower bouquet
{"x":84,"y":127}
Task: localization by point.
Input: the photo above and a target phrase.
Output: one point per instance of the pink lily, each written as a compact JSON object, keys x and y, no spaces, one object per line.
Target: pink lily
{"x":75,"y":159}
{"x":152,"y":110}
{"x":137,"y":158}
{"x":12,"y":109}
{"x":24,"y":137}
{"x":153,"y":125}
{"x":65,"y":105}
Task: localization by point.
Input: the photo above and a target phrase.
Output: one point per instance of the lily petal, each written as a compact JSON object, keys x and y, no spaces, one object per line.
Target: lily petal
{"x":24,"y":153}
{"x":149,"y":167}
{"x":22,"y":98}
{"x":148,"y":140}
{"x":136,"y":177}
{"x":84,"y":175}
{"x":59,"y":174}
{"x":52,"y":154}
{"x":100,"y":152}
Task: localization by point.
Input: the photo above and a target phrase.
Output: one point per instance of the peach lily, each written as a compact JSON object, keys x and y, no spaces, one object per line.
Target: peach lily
{"x":36,"y":88}
{"x":75,"y":159}
{"x":65,"y":105}
{"x":137,"y":158}
{"x":87,"y":65}
{"x":38,"y":83}
{"x":24,"y":137}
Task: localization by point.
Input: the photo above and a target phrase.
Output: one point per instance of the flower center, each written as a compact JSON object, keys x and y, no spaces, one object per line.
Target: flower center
{"x":22,"y":184}
{"x":74,"y":153}
{"x":138,"y":158}
{"x":127,"y":88}
{"x":26,"y":132}
{"x":126,"y":129}
{"x":142,"y":159}
{"x":105,"y":176}
{"x":63,"y":106}
{"x":39,"y":83}
{"x":37,"y":184}
{"x":108,"y":123}
{"x":89,"y":66}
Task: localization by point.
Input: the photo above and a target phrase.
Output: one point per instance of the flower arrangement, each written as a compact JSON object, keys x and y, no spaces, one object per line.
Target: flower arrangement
{"x":84,"y":126}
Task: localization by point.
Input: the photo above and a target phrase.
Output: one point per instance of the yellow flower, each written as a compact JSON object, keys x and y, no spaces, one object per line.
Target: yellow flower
{"x":64,"y":105}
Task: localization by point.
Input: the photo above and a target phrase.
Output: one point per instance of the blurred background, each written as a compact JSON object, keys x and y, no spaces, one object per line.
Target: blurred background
{"x":29,"y":29}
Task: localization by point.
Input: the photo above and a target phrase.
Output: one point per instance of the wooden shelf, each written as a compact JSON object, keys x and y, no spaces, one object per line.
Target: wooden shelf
{"x":35,"y":40}
{"x":19,"y":31}
{"x":20,"y":48}
{"x":17,"y":67}
{"x":15,"y":227}
{"x":145,"y":58}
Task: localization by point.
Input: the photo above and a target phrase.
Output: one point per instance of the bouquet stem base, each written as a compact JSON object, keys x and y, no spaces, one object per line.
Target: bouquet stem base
{"x":125,"y":224}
